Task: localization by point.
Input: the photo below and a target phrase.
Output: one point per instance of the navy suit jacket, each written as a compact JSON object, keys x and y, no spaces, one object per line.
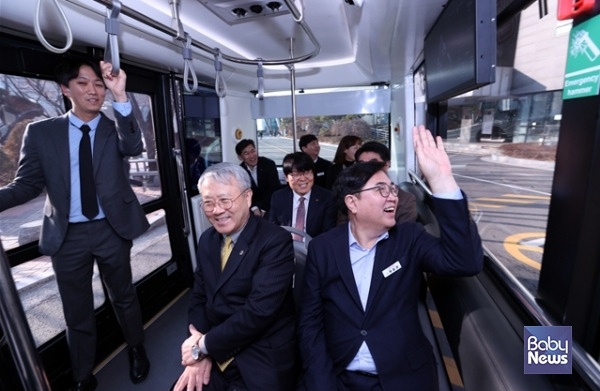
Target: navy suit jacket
{"x":247,"y":311}
{"x":333,"y":324}
{"x":45,"y":163}
{"x":268,"y":182}
{"x":321,"y":167}
{"x":321,"y":215}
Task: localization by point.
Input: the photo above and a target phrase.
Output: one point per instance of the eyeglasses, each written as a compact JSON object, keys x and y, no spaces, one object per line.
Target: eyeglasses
{"x":384,"y":189}
{"x":224,"y":203}
{"x":298,"y":174}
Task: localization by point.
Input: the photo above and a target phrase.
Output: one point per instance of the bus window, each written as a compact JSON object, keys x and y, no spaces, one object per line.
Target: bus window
{"x":502,"y":139}
{"x":202,"y":133}
{"x":22,"y":101}
{"x":276,"y":135}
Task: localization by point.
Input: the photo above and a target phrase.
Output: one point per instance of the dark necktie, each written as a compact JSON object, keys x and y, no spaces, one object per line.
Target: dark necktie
{"x":89,"y":201}
{"x":300,"y":218}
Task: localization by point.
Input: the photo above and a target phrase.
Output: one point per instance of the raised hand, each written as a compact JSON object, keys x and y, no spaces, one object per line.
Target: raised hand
{"x":433,"y":161}
{"x":116,"y":84}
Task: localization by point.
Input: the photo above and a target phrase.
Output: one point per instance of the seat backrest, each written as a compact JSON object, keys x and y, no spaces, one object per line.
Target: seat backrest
{"x":300,"y":252}
{"x":424,"y":213}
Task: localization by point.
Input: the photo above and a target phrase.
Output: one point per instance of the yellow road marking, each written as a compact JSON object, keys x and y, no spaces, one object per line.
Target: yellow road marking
{"x":532,"y":197}
{"x":490,"y":205}
{"x":513,"y":247}
{"x":512,"y":201}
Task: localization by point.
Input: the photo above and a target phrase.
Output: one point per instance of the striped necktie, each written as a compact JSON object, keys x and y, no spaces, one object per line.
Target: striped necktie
{"x":300,"y":218}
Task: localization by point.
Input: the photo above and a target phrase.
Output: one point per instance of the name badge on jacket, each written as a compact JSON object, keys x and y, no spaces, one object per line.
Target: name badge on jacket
{"x":393,"y":268}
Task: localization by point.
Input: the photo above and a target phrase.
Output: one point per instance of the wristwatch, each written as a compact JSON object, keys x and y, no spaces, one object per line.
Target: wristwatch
{"x":196,"y":353}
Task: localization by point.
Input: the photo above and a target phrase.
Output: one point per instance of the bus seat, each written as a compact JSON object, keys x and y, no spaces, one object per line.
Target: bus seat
{"x":300,"y":252}
{"x":424,"y":213}
{"x":484,"y":332}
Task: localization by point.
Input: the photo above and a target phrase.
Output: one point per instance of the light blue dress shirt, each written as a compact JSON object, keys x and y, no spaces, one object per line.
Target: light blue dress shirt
{"x":75,"y":215}
{"x":362,"y":260}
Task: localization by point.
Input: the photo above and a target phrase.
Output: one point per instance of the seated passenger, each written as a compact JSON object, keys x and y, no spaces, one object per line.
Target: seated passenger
{"x":242,"y":313}
{"x":302,"y":205}
{"x":406,"y":209}
{"x":263,"y":174}
{"x":358,"y":324}
{"x":310,"y":144}
{"x":344,"y":157}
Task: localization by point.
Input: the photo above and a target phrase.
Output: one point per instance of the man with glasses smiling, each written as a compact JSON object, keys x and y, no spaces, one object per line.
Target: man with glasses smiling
{"x":358,"y":322}
{"x":302,"y":205}
{"x":242,"y":315}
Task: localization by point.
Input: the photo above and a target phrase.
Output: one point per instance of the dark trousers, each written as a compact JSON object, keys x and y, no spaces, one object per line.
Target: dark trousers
{"x":73,"y":266}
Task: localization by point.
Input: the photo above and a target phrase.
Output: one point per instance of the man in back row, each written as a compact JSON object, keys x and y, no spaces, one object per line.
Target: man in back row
{"x":309,"y":144}
{"x":302,"y":205}
{"x":263,"y":174}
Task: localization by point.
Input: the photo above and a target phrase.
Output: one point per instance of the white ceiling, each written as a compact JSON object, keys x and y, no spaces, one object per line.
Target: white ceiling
{"x":358,"y":45}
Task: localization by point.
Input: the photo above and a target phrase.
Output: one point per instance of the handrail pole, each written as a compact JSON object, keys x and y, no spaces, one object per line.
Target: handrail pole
{"x":16,"y":330}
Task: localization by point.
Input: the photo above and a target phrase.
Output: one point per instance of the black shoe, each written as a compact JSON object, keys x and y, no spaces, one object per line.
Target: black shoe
{"x":88,"y":384}
{"x":139,"y":366}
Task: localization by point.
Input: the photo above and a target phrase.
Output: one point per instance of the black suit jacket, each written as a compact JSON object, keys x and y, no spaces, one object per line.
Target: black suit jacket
{"x":247,"y":311}
{"x":321,"y":167}
{"x":332,"y":323}
{"x":321,"y":215}
{"x":268,"y":182}
{"x":45,"y":163}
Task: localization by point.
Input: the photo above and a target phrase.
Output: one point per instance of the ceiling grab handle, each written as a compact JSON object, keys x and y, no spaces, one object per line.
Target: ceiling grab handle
{"x":40,"y":35}
{"x":186,"y":49}
{"x":112,"y":28}
{"x":221,"y":91}
{"x":261,"y":80}
{"x":189,"y":66}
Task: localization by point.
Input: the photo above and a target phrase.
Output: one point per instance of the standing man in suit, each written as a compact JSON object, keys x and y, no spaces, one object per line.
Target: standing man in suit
{"x":358,"y":322}
{"x":406,"y":208}
{"x":79,"y":225}
{"x":310,"y":144}
{"x":303,"y":205}
{"x":263,"y":173}
{"x":242,"y":315}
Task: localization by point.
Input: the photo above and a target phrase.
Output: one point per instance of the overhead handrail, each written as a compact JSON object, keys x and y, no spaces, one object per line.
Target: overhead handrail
{"x":40,"y":35}
{"x":112,"y":28}
{"x":300,"y":16}
{"x":415,"y":179}
{"x":261,"y":81}
{"x":219,"y":79}
{"x":173,"y":33}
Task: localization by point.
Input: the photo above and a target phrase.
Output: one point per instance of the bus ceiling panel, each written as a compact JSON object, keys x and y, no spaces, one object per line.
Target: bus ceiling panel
{"x":358,"y":44}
